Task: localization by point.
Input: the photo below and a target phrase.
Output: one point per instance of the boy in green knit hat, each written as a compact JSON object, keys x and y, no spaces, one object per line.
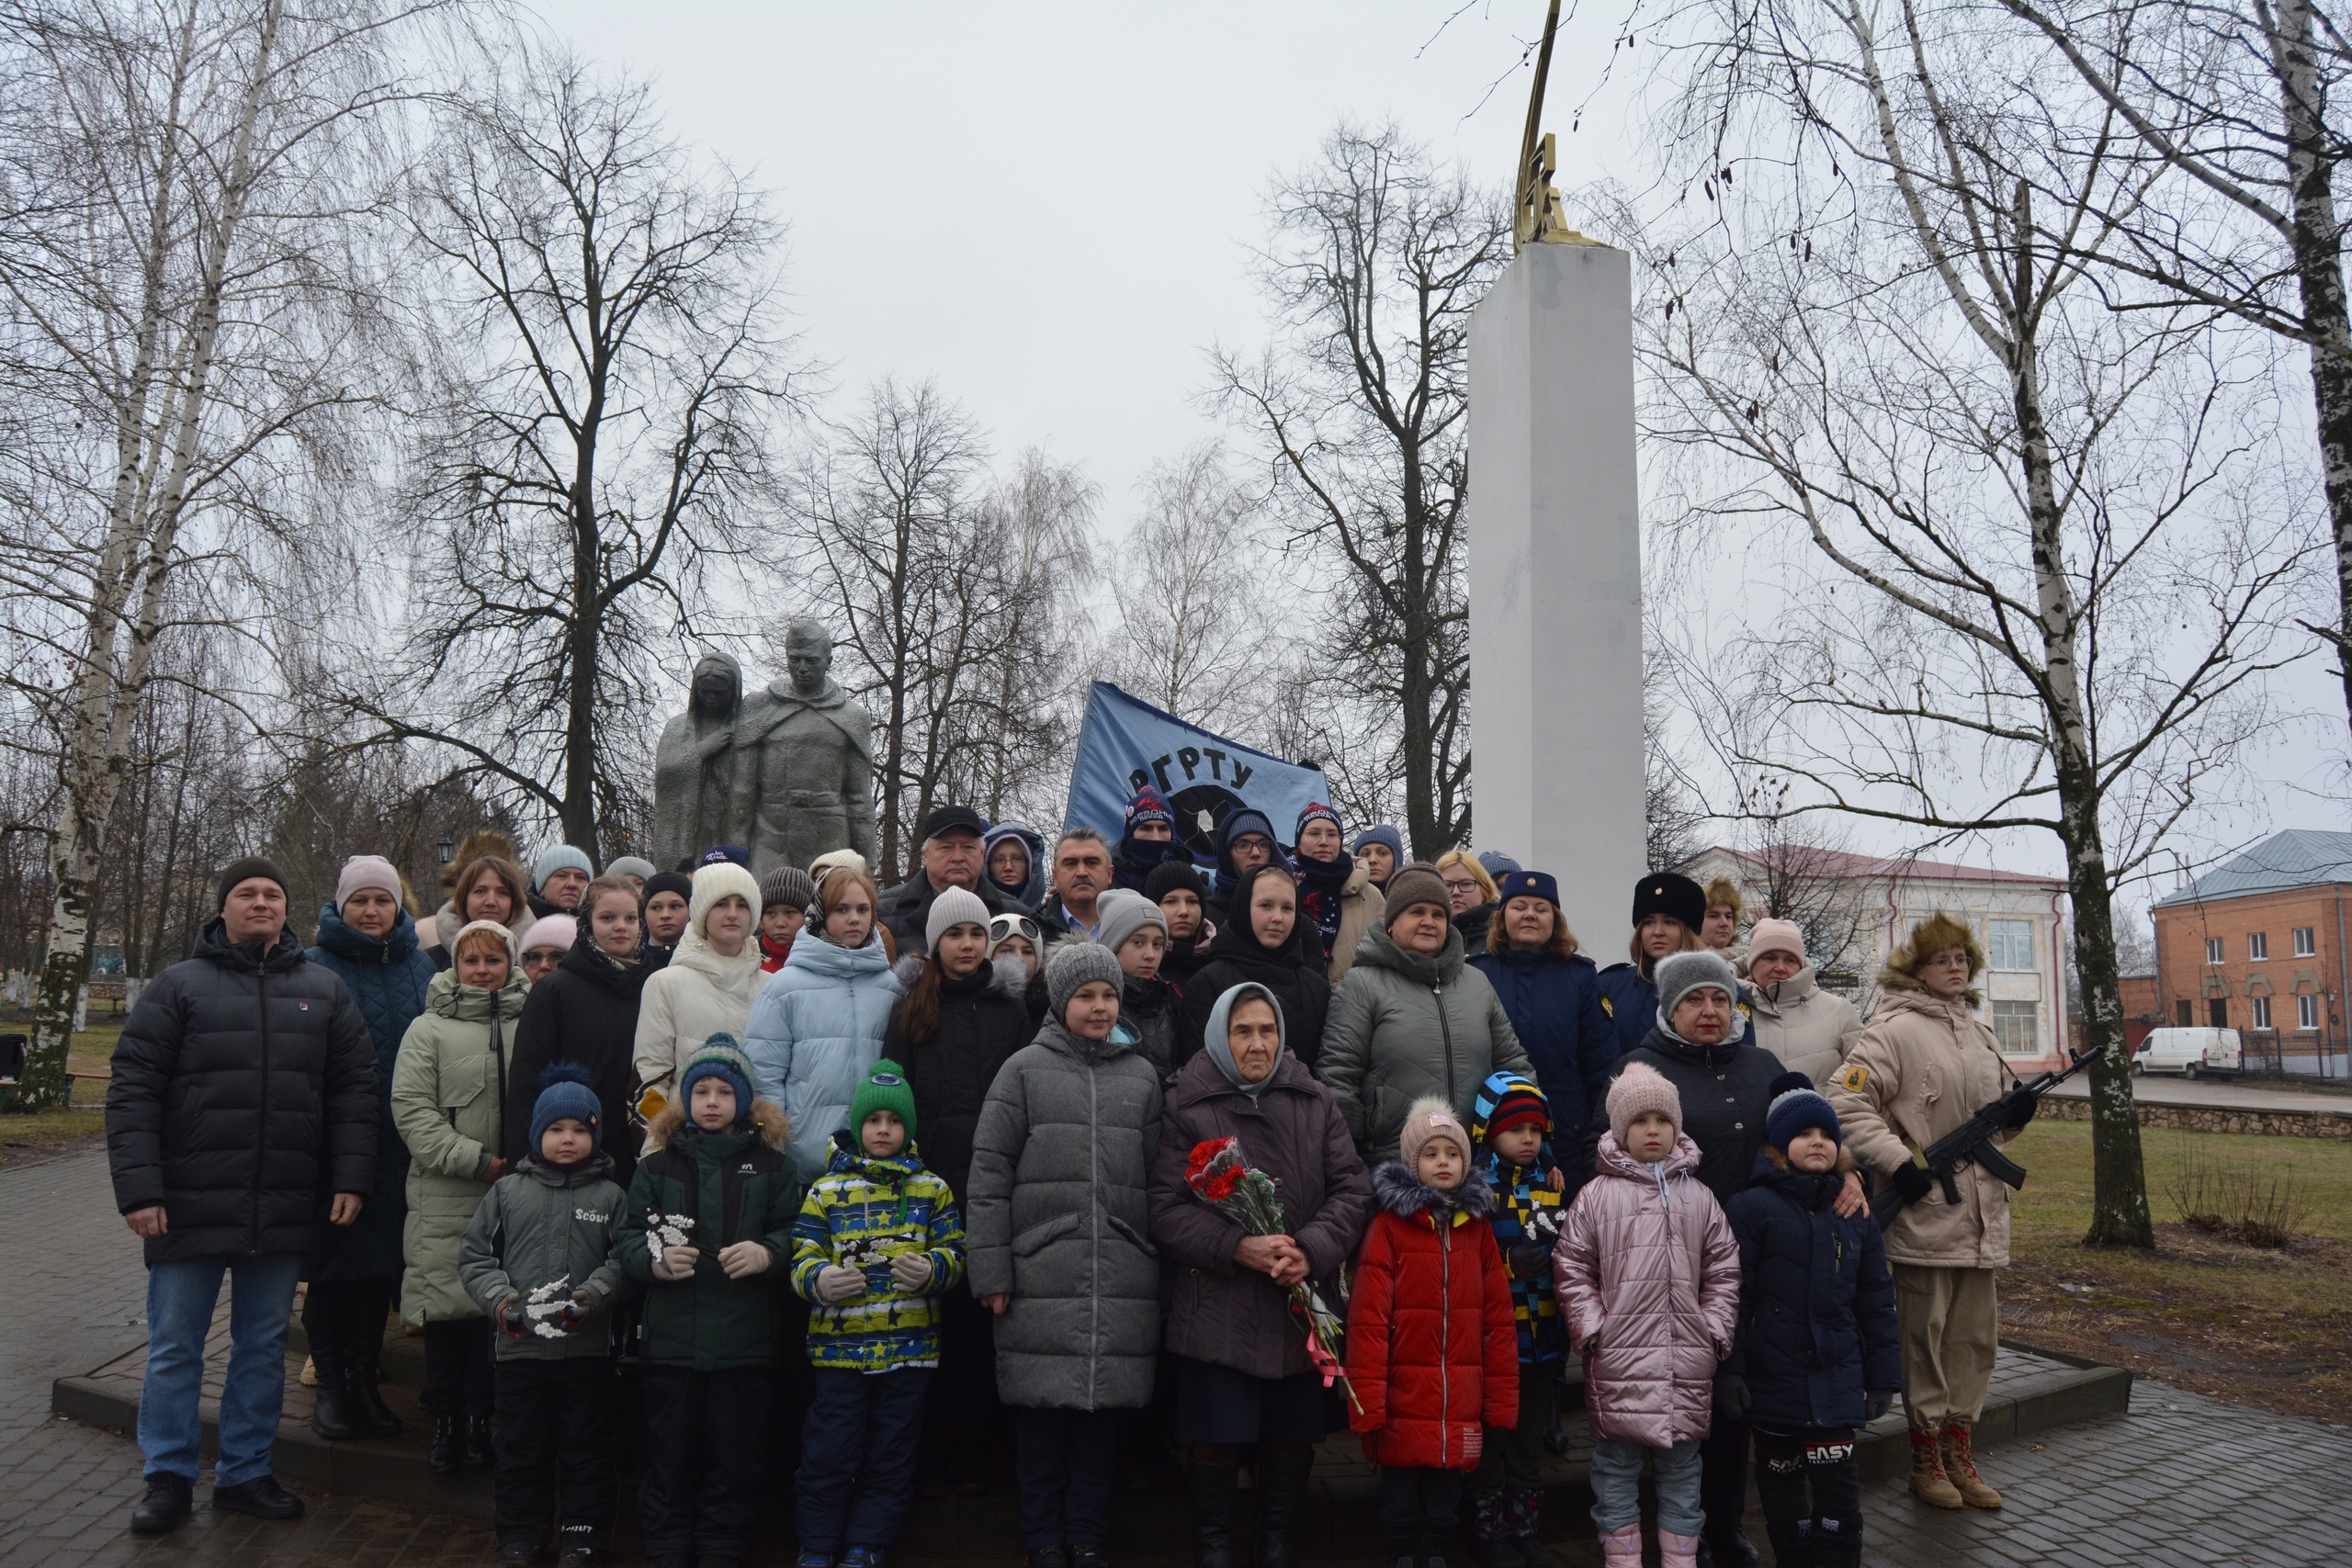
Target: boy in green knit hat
{"x":878,"y":1241}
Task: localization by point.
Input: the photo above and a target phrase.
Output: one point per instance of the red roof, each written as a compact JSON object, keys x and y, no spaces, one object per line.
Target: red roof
{"x":1838,"y":863}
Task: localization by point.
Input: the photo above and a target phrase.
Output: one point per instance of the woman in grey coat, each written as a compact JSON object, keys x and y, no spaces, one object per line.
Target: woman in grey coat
{"x":1412,"y":1018}
{"x":1056,"y":1230}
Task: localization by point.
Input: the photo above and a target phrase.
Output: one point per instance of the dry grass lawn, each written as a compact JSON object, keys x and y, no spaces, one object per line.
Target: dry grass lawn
{"x":2257,"y":1325}
{"x":43,"y":1134}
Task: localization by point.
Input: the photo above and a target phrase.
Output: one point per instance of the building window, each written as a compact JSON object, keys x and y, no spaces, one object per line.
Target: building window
{"x":2261,"y":1012}
{"x":2305,"y":947}
{"x":2212,"y":950}
{"x":2307,"y":1011}
{"x":2257,"y":944}
{"x":2218,"y":1011}
{"x":2009,"y":943}
{"x":2017,"y":1026}
{"x":2183,"y":1012}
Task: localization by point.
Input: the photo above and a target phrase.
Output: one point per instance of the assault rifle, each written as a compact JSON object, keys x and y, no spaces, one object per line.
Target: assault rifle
{"x":1974,"y":1139}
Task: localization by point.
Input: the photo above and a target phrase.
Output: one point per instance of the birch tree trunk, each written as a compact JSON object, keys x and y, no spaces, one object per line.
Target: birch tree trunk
{"x":158,"y":416}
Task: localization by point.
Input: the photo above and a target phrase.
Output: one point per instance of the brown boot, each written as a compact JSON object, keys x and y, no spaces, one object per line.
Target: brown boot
{"x":1959,"y":1468}
{"x":1929,"y":1481}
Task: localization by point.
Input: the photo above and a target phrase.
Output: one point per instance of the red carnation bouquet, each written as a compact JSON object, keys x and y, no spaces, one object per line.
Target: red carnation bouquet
{"x":1245,"y":1195}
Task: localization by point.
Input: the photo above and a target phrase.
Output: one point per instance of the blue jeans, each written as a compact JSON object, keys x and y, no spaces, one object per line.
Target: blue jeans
{"x":180,"y":1299}
{"x":1617,"y":1485}
{"x":857,"y":1457}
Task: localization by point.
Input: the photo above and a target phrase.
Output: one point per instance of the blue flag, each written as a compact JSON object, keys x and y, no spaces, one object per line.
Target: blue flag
{"x":1125,"y":744}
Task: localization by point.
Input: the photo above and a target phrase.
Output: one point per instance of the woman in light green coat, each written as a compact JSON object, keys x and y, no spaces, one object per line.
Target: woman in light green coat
{"x":450,"y":1092}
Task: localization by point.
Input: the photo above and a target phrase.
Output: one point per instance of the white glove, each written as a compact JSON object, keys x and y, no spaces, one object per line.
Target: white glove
{"x":911,"y":1271}
{"x":836,"y":1284}
{"x":675,"y":1263}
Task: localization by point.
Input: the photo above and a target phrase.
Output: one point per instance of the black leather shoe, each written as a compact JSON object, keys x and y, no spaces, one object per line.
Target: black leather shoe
{"x":333,"y":1416}
{"x":479,"y":1455}
{"x":1088,"y":1556}
{"x":1732,"y":1551}
{"x":168,"y":1503}
{"x":1049,"y":1557}
{"x":262,"y":1497}
{"x":448,"y":1446}
{"x":515,"y":1554}
{"x":372,"y":1416}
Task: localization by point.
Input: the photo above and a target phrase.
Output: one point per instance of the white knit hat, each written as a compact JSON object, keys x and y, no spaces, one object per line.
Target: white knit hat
{"x":714,"y":882}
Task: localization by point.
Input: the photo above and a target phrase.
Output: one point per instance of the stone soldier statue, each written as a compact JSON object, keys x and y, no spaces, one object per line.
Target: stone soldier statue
{"x":694,"y":767}
{"x":804,"y":770}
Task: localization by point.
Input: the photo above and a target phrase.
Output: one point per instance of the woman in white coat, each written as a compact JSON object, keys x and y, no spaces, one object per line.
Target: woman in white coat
{"x":817,"y":1030}
{"x":1812,"y":1031}
{"x":709,"y":985}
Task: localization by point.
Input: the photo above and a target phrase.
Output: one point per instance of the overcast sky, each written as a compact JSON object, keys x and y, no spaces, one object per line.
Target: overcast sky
{"x":1050,"y":207}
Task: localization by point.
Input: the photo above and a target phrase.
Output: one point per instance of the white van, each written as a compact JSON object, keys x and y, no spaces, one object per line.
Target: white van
{"x":2193,"y":1053}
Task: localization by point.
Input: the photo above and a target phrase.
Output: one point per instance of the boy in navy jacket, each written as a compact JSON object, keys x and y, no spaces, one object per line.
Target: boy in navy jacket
{"x":1816,"y":1353}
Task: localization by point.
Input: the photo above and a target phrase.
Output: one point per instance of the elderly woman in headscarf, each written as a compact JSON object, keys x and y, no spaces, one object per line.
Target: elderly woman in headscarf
{"x":1242,"y":1372}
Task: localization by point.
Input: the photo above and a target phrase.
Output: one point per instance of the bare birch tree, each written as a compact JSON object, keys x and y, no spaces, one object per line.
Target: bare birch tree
{"x":609,"y":382}
{"x":1375,"y":260}
{"x":187,"y":325}
{"x":955,"y":602}
{"x":1199,"y":631}
{"x":2238,"y":101}
{"x":2042,"y":562}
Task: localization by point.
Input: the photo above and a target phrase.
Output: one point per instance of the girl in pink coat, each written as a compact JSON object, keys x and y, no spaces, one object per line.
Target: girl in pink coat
{"x":1648,"y":1274}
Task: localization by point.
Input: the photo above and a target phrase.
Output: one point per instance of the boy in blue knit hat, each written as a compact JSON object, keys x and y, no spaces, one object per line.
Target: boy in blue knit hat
{"x":538,"y":1256}
{"x":1513,"y":1124}
{"x":710,"y":1217}
{"x":877,"y":1243}
{"x":1816,"y":1353}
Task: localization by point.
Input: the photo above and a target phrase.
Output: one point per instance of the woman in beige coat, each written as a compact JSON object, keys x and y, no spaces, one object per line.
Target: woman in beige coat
{"x":710,"y":982}
{"x":1812,"y":1031}
{"x":1924,"y":1067}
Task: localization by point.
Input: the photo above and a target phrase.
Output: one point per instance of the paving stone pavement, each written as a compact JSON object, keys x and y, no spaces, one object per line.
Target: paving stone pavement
{"x":2181,"y":1480}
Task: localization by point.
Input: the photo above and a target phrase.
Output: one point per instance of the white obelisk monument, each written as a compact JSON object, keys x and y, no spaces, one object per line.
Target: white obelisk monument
{"x":1556,"y":572}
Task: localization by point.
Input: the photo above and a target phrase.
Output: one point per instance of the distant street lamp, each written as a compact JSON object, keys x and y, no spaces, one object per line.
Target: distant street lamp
{"x":447,"y":849}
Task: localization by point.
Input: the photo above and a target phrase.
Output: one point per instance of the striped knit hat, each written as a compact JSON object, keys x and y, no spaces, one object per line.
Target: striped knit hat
{"x":1796,"y":1106}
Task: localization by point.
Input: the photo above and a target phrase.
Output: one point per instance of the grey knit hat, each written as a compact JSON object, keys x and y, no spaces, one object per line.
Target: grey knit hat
{"x":1074,"y":964}
{"x":1680,"y":974}
{"x":956,"y":906}
{"x":789,"y":885}
{"x":1123,"y":913}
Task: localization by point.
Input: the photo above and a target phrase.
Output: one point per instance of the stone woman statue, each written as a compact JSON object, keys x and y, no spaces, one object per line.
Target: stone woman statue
{"x":694,"y":766}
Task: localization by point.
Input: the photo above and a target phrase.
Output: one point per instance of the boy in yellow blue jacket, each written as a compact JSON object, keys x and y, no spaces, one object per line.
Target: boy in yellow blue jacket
{"x":878,"y":1241}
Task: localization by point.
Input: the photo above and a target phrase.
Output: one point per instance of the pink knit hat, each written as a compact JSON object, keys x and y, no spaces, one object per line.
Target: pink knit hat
{"x":1430,"y":1118}
{"x":1775,"y":936}
{"x":366,"y":871}
{"x":1638,"y":1088}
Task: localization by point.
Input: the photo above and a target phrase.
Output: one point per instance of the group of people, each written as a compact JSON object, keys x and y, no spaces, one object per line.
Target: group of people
{"x":912,"y":1174}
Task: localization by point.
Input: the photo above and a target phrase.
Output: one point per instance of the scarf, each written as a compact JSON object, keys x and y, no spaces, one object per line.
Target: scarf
{"x":1320,"y":883}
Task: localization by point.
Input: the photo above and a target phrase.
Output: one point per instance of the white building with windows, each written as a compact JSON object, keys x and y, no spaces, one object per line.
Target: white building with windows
{"x":2020,"y":918}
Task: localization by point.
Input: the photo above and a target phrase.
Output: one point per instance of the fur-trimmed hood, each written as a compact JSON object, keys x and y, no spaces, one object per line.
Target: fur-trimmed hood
{"x":1007,"y":975}
{"x":1932,"y":935}
{"x":774,"y":1127}
{"x":1405,"y":1195}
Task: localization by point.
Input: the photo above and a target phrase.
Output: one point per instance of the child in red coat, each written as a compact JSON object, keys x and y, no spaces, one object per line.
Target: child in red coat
{"x":1433,"y":1349}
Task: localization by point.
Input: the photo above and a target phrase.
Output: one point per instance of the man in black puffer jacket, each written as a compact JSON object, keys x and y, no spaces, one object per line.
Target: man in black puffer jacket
{"x":242,"y":1113}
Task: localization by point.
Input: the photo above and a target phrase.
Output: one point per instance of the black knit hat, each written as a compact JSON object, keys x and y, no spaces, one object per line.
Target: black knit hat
{"x":245,"y":870}
{"x":1169,"y":875}
{"x":1664,"y":893}
{"x":676,"y":881}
